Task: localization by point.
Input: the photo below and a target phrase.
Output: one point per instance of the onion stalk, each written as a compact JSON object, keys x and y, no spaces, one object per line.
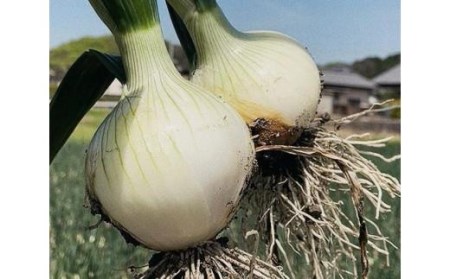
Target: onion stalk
{"x":262,"y":74}
{"x":169,"y":163}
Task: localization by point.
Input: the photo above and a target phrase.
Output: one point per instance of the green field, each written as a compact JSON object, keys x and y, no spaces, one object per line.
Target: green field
{"x":77,"y":252}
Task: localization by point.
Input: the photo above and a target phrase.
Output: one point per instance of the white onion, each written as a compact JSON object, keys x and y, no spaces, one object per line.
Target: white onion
{"x":262,"y":74}
{"x":170,"y":161}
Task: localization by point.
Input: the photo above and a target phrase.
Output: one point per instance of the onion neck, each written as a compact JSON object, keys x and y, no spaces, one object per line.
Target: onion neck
{"x":145,"y":58}
{"x":137,"y":32}
{"x":210,"y":30}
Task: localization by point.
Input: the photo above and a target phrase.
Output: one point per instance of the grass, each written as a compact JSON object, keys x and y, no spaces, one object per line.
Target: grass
{"x":389,"y":222}
{"x":77,"y":252}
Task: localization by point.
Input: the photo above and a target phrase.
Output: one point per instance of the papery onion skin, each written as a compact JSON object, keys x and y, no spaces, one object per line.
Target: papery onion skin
{"x":169,"y":163}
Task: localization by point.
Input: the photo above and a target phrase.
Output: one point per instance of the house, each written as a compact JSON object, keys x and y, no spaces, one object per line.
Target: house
{"x":388,"y":83}
{"x":345,"y":92}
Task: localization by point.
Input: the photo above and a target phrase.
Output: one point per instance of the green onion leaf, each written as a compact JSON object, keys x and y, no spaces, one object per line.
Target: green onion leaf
{"x":84,"y":83}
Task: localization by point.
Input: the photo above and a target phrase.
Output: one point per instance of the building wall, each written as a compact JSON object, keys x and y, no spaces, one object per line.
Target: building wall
{"x":346,"y":101}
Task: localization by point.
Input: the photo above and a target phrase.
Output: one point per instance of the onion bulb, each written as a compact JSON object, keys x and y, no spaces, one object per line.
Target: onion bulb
{"x":262,"y":74}
{"x":168,"y":164}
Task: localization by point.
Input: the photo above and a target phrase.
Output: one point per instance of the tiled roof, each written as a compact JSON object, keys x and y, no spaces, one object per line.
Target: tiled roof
{"x":391,"y":76}
{"x":346,"y":78}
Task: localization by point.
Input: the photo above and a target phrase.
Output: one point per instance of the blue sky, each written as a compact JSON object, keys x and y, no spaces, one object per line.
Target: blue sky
{"x":333,"y":30}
